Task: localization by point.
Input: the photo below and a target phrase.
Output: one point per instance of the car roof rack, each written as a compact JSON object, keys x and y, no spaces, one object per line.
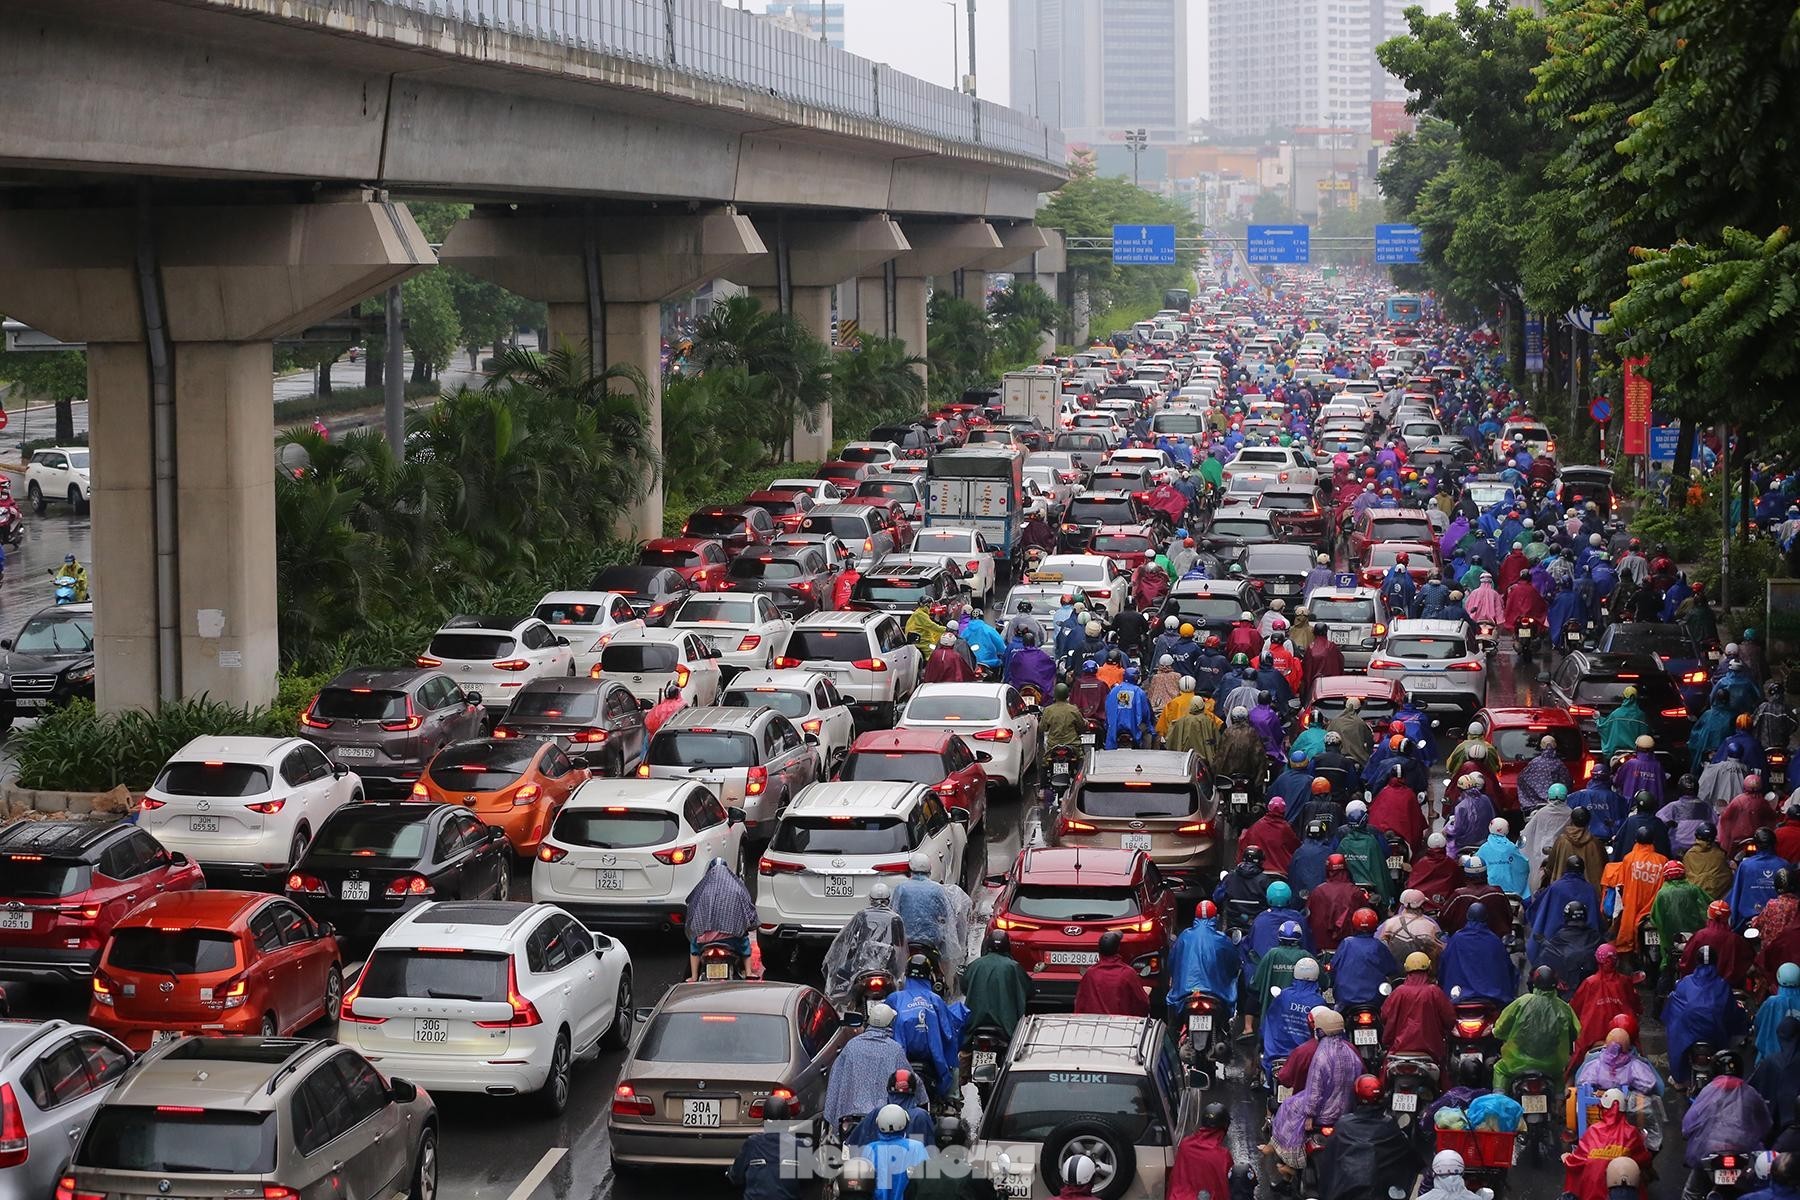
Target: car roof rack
{"x":18,"y":1047}
{"x":292,"y":1063}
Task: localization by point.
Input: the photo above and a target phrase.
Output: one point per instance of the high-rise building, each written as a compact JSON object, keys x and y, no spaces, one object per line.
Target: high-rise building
{"x":1100,"y":67}
{"x":1299,"y":64}
{"x":804,"y":16}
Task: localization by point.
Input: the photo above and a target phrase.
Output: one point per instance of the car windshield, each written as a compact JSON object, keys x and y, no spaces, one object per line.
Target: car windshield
{"x":56,"y":635}
{"x":1089,"y":570}
{"x":703,"y":524}
{"x":569,"y":612}
{"x":1341,"y":612}
{"x":551,"y":705}
{"x":843,"y":835}
{"x":614,"y":827}
{"x":894,"y":766}
{"x":889,"y":489}
{"x":482,"y":766}
{"x":702,"y":748}
{"x":1374,"y":709}
{"x":787,"y":702}
{"x":746,"y":567}
{"x":1286,"y":502}
{"x":1073,"y":903}
{"x":1421,"y":647}
{"x":893,"y":590}
{"x":828,"y":645}
{"x":715,"y":1039}
{"x":1520,"y":743}
{"x":393,"y":836}
{"x":435,"y":975}
{"x":851,"y":527}
{"x":1208,"y":608}
{"x":1400,"y":529}
{"x":953,"y":544}
{"x":1134,"y":799}
{"x":953,"y":706}
{"x":1034,"y":1103}
{"x":212,"y":779}
{"x":637,"y":658}
{"x":1121,"y":543}
{"x":1080,"y":441}
{"x":1655,"y":692}
{"x":32,"y":877}
{"x":1238,"y":527}
{"x":1381,"y":555}
{"x":1177,"y":423}
{"x":166,"y":1140}
{"x":471,"y":647}
{"x":172,"y":951}
{"x":708,"y":608}
{"x":1115,"y":510}
{"x":359,"y":704}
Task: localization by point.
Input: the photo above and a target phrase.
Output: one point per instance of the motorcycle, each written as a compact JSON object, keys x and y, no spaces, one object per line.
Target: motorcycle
{"x":1649,"y":948}
{"x":12,"y":525}
{"x":1473,"y":1034}
{"x":1412,"y":1082}
{"x":1776,"y":774}
{"x":1532,"y":1090}
{"x":987,"y":1046}
{"x":1060,"y":769}
{"x":1203,"y":1042}
{"x":1487,"y":638}
{"x":871,"y":987}
{"x":720,"y":958}
{"x":1702,"y":1067}
{"x":1523,"y":639}
{"x":63,"y":592}
{"x":1241,"y":804}
{"x":1364,"y":1021}
{"x":1729,"y":1174}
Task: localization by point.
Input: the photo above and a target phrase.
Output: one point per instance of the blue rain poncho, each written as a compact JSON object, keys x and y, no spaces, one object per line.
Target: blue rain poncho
{"x":927,"y":1030}
{"x":1284,"y":1020}
{"x":859,"y":1078}
{"x":1203,"y":960}
{"x":1359,"y":967}
{"x":1769,"y":1017}
{"x":1544,"y":915}
{"x":1505,"y":865}
{"x":1128,"y":711}
{"x":1700,"y":1009}
{"x":1475,"y":962}
{"x":893,"y":1155}
{"x":1265,"y":934}
{"x":1753,"y":884}
{"x":1726,"y":1116}
{"x":720,"y":903}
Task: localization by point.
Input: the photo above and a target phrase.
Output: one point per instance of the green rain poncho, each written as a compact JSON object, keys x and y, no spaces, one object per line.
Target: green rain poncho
{"x":1679,"y":907}
{"x":1622,"y":727}
{"x":1538,"y":1031}
{"x":1365,"y":857}
{"x":1212,"y":471}
{"x":1274,"y":970}
{"x":995,"y":989}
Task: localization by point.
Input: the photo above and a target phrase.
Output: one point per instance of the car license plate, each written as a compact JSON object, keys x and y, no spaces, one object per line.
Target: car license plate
{"x":354,"y":889}
{"x":1345,"y":637}
{"x":203,"y":824}
{"x":1396,"y":862}
{"x":1200,"y":1023}
{"x":700,"y":1114}
{"x":432,"y":1030}
{"x":1425,"y":683}
{"x":1073,"y":958}
{"x":837,"y":885}
{"x":1652,"y":938}
{"x":1405,"y":1102}
{"x":1363,"y":1037}
{"x":718,"y":970}
{"x":608,"y":880}
{"x":1015,"y":1186}
{"x":1535,"y":1104}
{"x":15,"y":920}
{"x":354,"y":752}
{"x":983,"y":1058}
{"x":1725,"y":1175}
{"x":1134,"y":841}
{"x":23,"y":702}
{"x":163,"y":1035}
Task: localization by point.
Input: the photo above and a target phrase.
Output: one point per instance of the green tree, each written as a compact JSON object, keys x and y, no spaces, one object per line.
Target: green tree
{"x":1088,"y":206}
{"x":740,"y":332}
{"x":958,"y":346}
{"x":433,"y":331}
{"x":876,"y":383}
{"x":56,"y":375}
{"x":1021,"y":315}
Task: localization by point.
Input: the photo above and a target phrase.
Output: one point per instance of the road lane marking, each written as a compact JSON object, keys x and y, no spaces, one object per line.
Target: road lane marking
{"x":539,"y":1173}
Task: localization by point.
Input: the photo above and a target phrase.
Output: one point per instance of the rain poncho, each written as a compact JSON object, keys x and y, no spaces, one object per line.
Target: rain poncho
{"x":1621,"y":728}
{"x":1576,"y":842}
{"x":1777,"y":1074}
{"x":1544,"y":915}
{"x":1637,"y":876}
{"x":1128,"y":712}
{"x":1202,"y":1167}
{"x":1602,"y":996}
{"x":1719,"y":783}
{"x":872,"y":940}
{"x":1679,"y":908}
{"x":1359,"y":968}
{"x":1407,"y":931}
{"x":1284,"y":1024}
{"x":1747,"y":812}
{"x":1329,"y":907}
{"x":1620,"y":1067}
{"x":1330,"y":1089}
{"x":937,"y":915}
{"x":1469,"y":821}
{"x":859,"y":1078}
{"x":1416,"y":1018}
{"x":1476,"y":964}
{"x":1684,"y":816}
{"x":1436,"y":874}
{"x":1273,"y":970}
{"x":1203,"y":960}
{"x":1708,"y":869}
{"x":1111,"y":987}
{"x":1709,"y":733}
{"x":1570,"y":953}
{"x":1700,"y":1009}
{"x":720,"y":903}
{"x":1727,"y":1115}
{"x":1541,"y":830}
{"x":1538,"y":1031}
{"x":919,"y":1123}
{"x":893,"y":1155}
{"x":1754,"y":884}
{"x":1606,"y":808}
{"x":1505,"y":865}
{"x":1731,"y":953}
{"x":1612,"y":1136}
{"x":1395,"y":810}
{"x":995,"y":991}
{"x":1642,"y":773}
{"x":1277,"y":839}
{"x":1537,"y":776}
{"x":1367,"y":1157}
{"x":928,"y":1031}
{"x":1365,"y":858}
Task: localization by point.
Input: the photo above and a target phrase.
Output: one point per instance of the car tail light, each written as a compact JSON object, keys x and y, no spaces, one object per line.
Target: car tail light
{"x":1674,"y":712}
{"x":525,"y":1013}
{"x":267,"y":808}
{"x":233,"y":992}
{"x":812,"y":726}
{"x":891,"y":868}
{"x":974,"y":564}
{"x":311,"y":722}
{"x":588,"y":737}
{"x":870,"y":664}
{"x":682,"y":675}
{"x":994,"y":735}
{"x":527,"y":794}
{"x":803,"y":586}
{"x":15,"y":1146}
{"x":1070,"y":825}
{"x":66,"y":1190}
{"x":1015,"y":923}
{"x":513,"y":664}
{"x":149,"y":805}
{"x":594,"y":671}
{"x":344,"y":1013}
{"x":411,"y":721}
{"x":549,"y":853}
{"x":411,"y":885}
{"x":756,"y":781}
{"x":419,"y":792}
{"x":103,"y":989}
{"x":1378,"y":663}
{"x":306,"y":885}
{"x":676,"y":856}
{"x":425,"y":660}
{"x":1582,"y":710}
{"x":276,"y":1191}
{"x":643,"y":771}
{"x":756,"y":1105}
{"x":1195,"y":829}
{"x":777,"y":866}
{"x":784,"y":661}
{"x":750,"y":641}
{"x":627,"y":1103}
{"x":1465,"y":666}
{"x":1100,"y":593}
{"x":1694,"y":677}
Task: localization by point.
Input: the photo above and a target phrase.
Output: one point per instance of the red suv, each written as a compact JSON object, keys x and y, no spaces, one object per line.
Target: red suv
{"x":788,"y":508}
{"x":1055,"y":904}
{"x":1516,"y":734}
{"x":930,"y":756}
{"x":65,"y":884}
{"x":700,"y":561}
{"x":737,"y":527}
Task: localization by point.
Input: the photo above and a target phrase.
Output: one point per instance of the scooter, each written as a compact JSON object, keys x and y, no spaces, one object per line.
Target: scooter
{"x":1060,"y":769}
{"x":1364,"y":1021}
{"x":1412,"y":1081}
{"x":1473,"y":1034}
{"x":1240,"y":801}
{"x":1532,"y":1090}
{"x":1729,"y":1174}
{"x":12,"y":525}
{"x":63,"y":592}
{"x":720,"y":958}
{"x":1523,"y":639}
{"x":987,"y":1046}
{"x":1487,"y":638}
{"x":1204,"y":1038}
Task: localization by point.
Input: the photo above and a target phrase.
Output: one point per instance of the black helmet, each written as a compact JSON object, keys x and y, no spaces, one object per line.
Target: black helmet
{"x":918,"y":967}
{"x":1785,"y":880}
{"x":1254,"y":854}
{"x":1727,"y":1062}
{"x":1574,"y":864}
{"x":1473,"y":1072}
{"x":1645,"y":802}
{"x":776,"y":1108}
{"x":951,"y":1132}
{"x":1215,"y":1116}
{"x":1580,"y":816}
{"x":1543,"y":978}
{"x":999,"y":942}
{"x":1688,"y":783}
{"x":1575,"y":912}
{"x":1764,"y":837}
{"x":1707,"y":833}
{"x":1110,"y":942}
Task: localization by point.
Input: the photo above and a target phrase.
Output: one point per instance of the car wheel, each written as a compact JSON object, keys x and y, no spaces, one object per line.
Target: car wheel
{"x":269,"y":1028}
{"x":334,"y":992}
{"x":76,"y":503}
{"x":298,"y":846}
{"x":618,"y":1034}
{"x":553,"y":1097}
{"x":425,"y":1168}
{"x":1115,"y":1158}
{"x":36,"y":495}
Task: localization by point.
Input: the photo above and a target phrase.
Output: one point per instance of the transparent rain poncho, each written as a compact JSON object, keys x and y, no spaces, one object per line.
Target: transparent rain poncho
{"x":938,"y":915}
{"x":872,"y":940}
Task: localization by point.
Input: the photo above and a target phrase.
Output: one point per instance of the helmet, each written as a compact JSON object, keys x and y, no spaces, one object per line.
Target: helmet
{"x":1557,"y":791}
{"x":1289,"y":932}
{"x":1325,"y":1021}
{"x":1279,"y":894}
{"x":1254,"y":856}
{"x":1718,"y":910}
{"x":1188,"y":683}
{"x":1320,"y":785}
{"x":1307,"y":969}
{"x":1575,"y":912}
{"x":1094,"y":628}
{"x":881,"y":1016}
{"x":1356,"y":812}
{"x":1412,"y":898}
{"x":903,"y":1081}
{"x":1089,"y":666}
{"x":1363,"y":920}
{"x":1078,"y":1171}
{"x":1623,"y":1172}
{"x":1110,"y":942}
{"x":1206,"y":910}
{"x":1764,"y":837}
{"x":1446,"y":1162}
{"x":1336,"y":862}
{"x":1215,"y":1116}
{"x":1131,"y":674}
{"x":950,"y":1132}
{"x":1186,"y":630}
{"x":671,"y":691}
{"x":1542,"y":978}
{"x":1167,"y":660}
{"x":1788,"y":975}
{"x":948,"y":639}
{"x":1171,"y":622}
{"x":68,"y":558}
{"x":892,"y":1119}
{"x":999,"y":942}
{"x":919,"y":864}
{"x":879,"y":895}
{"x":1418,"y":960}
{"x":1498,"y":826}
{"x":1674,"y":869}
{"x":918,"y":967}
{"x":1368,"y":1088}
{"x":1477,"y":914}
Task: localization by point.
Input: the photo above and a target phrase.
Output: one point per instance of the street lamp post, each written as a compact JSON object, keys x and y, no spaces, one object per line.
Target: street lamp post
{"x":822,"y":21}
{"x":1135,"y":141}
{"x":971,"y":47}
{"x":1036,"y":90}
{"x":955,"y":43}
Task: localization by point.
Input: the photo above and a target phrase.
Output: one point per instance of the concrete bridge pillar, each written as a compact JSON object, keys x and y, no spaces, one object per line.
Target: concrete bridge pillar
{"x":808,"y":256}
{"x":893,"y":303}
{"x":604,"y":277}
{"x":179,"y":307}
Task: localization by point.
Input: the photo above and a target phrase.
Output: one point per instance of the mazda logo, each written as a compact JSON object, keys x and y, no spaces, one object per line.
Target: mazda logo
{"x":607,"y":860}
{"x":1072,"y":930}
{"x":203,"y":805}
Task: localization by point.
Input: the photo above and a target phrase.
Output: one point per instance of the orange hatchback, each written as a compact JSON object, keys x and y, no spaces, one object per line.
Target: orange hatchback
{"x":215,"y":962}
{"x":516,"y":783}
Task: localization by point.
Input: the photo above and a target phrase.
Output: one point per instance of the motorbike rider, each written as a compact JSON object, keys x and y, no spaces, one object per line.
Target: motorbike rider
{"x":767,"y":1166}
{"x":1726,"y":1117}
{"x":1570,"y":951}
{"x":719,"y":904}
{"x":1537,"y":1032}
{"x":1285,"y":1020}
{"x":76,"y":571}
{"x":874,"y":939}
{"x":1365,"y":855}
{"x":1475,"y":964}
{"x":947,"y":663}
{"x":1608,"y":1142}
{"x":995,"y":988}
{"x":1241,"y":752}
{"x":926,"y":1028}
{"x":892,"y":1154}
{"x":1128,"y":713}
{"x":1272,"y":834}
{"x":1112,"y":986}
{"x":1088,"y":694}
{"x":1753,"y":884}
{"x":1368,"y":1156}
{"x":1411,"y":930}
{"x":1318,"y":1099}
{"x":1275,"y":968}
{"x":1731,"y":953}
{"x":904,"y":1090}
{"x":859,"y":1078}
{"x":1330,"y":906}
{"x":1061,"y":723}
{"x":1203,"y":959}
{"x":1477,"y":890}
{"x":1361,"y":964}
{"x":1447,"y":1179}
{"x":935,"y":915}
{"x":1243,"y":891}
{"x":1416,"y":1017}
{"x":1202,"y":1160}
{"x":1700,"y":1009}
{"x":1548,"y":907}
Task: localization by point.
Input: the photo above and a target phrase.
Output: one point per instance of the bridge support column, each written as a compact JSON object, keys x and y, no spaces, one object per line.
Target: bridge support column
{"x":934,"y":249}
{"x":604,"y":277}
{"x":179,"y":308}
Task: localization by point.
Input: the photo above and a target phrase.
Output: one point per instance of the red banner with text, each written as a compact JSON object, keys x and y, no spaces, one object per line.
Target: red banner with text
{"x":1637,"y":407}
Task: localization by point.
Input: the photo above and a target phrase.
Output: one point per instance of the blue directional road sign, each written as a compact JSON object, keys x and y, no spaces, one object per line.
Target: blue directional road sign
{"x":1278,"y":244}
{"x":1143,"y":245}
{"x":1396,"y":243}
{"x":1662,"y":442}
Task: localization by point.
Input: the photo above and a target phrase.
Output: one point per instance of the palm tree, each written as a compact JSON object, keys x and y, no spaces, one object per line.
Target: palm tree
{"x":332,"y":575}
{"x":877,"y":383}
{"x":740,"y":332}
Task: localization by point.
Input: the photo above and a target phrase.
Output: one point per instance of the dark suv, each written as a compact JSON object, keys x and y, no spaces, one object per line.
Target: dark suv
{"x":50,"y":663}
{"x":386,"y":723}
{"x":796,"y":578}
{"x":1587,"y":683}
{"x":899,"y":588}
{"x":64,"y":884}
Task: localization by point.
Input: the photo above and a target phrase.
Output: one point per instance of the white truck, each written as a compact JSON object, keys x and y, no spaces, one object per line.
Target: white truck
{"x":1035,"y":393}
{"x":977,"y":487}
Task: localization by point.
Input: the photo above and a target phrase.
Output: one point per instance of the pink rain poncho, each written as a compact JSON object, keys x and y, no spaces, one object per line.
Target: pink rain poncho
{"x":1483,"y":603}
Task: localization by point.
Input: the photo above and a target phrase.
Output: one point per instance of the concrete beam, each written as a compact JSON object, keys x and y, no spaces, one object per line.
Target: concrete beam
{"x":1016,"y":241}
{"x":941,"y":247}
{"x":822,"y":251}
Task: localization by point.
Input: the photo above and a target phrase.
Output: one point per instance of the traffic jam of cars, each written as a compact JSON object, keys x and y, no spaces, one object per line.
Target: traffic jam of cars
{"x":1235,"y":617}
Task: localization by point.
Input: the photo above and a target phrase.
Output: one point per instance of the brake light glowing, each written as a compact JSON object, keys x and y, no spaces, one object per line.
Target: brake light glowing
{"x":1070,"y":825}
{"x":412,"y":720}
{"x":813,"y":726}
{"x":425,"y":660}
{"x":784,"y":661}
{"x":1381,"y":664}
{"x":756,"y":781}
{"x":750,"y":641}
{"x":682,"y":675}
{"x":267,"y":807}
{"x":1465,"y":666}
{"x":891,"y":868}
{"x":548,"y":853}
{"x":527,"y":794}
{"x":1469,"y":1027}
{"x":524,"y":1012}
{"x":776,"y":866}
{"x":145,"y":805}
{"x":756,"y":1105}
{"x":411,"y":885}
{"x":1195,"y":829}
{"x":311,"y":722}
{"x":513,"y":664}
{"x":676,"y":856}
{"x":1582,"y":710}
{"x":1674,"y":712}
{"x":1694,"y":677}
{"x":870,"y":664}
{"x":588,"y":737}
{"x":627,"y":1103}
{"x":310,"y":885}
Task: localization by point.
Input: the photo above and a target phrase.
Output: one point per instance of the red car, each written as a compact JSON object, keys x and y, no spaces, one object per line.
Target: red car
{"x":845,"y":474}
{"x":700,"y":561}
{"x":1516,"y":733}
{"x":65,"y":884}
{"x":1391,"y":525}
{"x":932,"y":756}
{"x":788,"y":508}
{"x":1131,"y":546}
{"x":1421,"y":561}
{"x":215,"y":962}
{"x":1377,"y":699}
{"x":737,"y":527}
{"x":1055,"y":904}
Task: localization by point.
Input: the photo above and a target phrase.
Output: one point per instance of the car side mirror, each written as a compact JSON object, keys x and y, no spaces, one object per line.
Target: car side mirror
{"x":736,"y":816}
{"x":402,"y":1091}
{"x":1386,"y":988}
{"x":324,"y":929}
{"x":562,"y":641}
{"x":5,"y":643}
{"x":983,"y":756}
{"x":811,"y":739}
{"x":472,"y":698}
{"x":339,"y":770}
{"x":177,"y":859}
{"x":496,"y":834}
{"x":855,"y":1020}
{"x":960,"y":815}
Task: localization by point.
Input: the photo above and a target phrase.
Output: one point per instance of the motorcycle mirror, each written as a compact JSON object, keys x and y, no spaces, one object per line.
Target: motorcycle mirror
{"x":1456,"y":992}
{"x":1386,"y":988}
{"x":1273,"y":992}
{"x":1752,"y":934}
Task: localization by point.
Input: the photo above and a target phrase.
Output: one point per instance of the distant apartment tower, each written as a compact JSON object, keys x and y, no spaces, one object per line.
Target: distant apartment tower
{"x":1299,"y":64}
{"x":1100,"y":67}
{"x":803,"y":17}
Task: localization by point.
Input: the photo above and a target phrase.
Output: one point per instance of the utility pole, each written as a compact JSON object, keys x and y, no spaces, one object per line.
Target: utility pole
{"x":971,"y":47}
{"x":822,"y":37}
{"x":1725,"y":474}
{"x":1135,"y":141}
{"x":394,"y":375}
{"x":955,"y":44}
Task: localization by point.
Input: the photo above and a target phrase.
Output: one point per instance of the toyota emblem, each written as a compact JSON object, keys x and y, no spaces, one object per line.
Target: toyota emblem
{"x":607,"y":860}
{"x":837,"y":862}
{"x":166,"y":986}
{"x":1072,"y":930}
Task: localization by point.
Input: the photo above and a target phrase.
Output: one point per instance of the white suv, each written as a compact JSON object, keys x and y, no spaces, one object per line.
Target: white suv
{"x":743,"y":628}
{"x":648,"y":660}
{"x":245,"y":807}
{"x":496,"y":656}
{"x":992,"y":720}
{"x":865,"y":654}
{"x":628,"y":851}
{"x":56,"y":474}
{"x":589,"y":620}
{"x":835,"y":840}
{"x":488,"y":997}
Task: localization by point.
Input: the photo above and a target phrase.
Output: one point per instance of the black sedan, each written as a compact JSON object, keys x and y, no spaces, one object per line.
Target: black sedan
{"x":796,"y":578}
{"x":652,"y":592}
{"x":371,"y":862}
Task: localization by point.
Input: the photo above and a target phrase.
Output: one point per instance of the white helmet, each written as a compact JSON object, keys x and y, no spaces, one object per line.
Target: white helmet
{"x":1171,"y":623}
{"x":1307,"y":968}
{"x":1078,"y":1171}
{"x":880,"y":894}
{"x":891,"y":1119}
{"x":918,"y":864}
{"x":1446,"y":1162}
{"x":1476,"y":729}
{"x":881,"y":1016}
{"x":1498,"y":826}
{"x":1167,"y":660}
{"x":1094,"y":628}
{"x":948,"y":639}
{"x":1188,"y":683}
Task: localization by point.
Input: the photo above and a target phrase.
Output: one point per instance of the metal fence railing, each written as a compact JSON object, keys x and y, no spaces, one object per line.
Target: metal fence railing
{"x":708,"y":40}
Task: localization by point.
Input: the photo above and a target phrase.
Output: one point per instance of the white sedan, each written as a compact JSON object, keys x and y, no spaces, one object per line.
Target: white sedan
{"x":743,"y":628}
{"x":807,"y":698}
{"x":992,"y":720}
{"x":1097,"y":576}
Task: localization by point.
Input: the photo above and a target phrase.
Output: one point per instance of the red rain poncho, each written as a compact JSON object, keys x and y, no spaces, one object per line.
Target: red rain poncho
{"x":1111,"y":988}
{"x":1395,"y":810}
{"x":1416,"y":1018}
{"x":1524,"y":602}
{"x":1277,"y":839}
{"x":1612,"y":1136}
{"x":947,"y":666}
{"x":1437,"y":875}
{"x":1329,"y":908}
{"x":1601,"y":997}
{"x":1731,"y":954}
{"x":1202,"y":1167}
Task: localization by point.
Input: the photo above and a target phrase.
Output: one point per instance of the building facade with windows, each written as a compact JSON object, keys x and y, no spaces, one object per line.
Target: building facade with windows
{"x":1299,"y":65}
{"x":804,"y":18}
{"x":1100,"y":67}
